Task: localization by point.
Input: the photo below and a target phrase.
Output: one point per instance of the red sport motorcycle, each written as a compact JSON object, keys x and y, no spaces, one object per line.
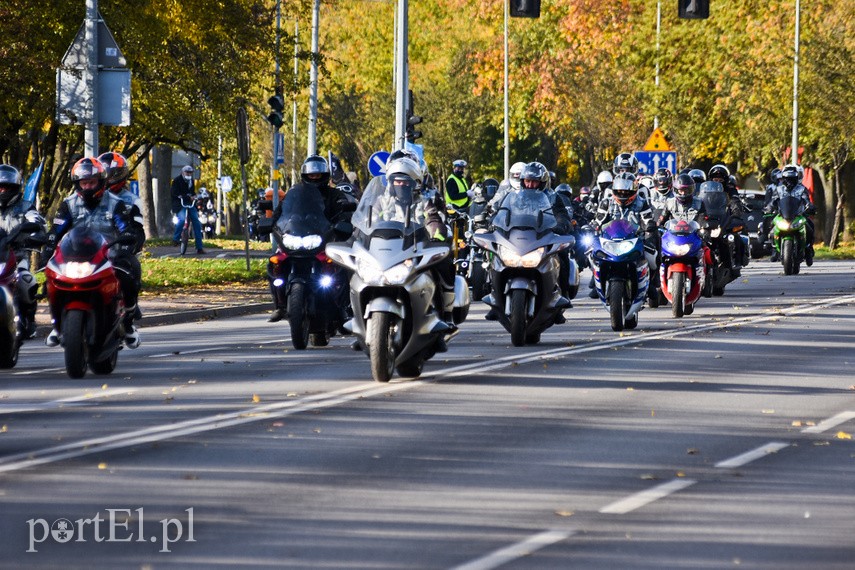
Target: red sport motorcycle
{"x":86,"y":301}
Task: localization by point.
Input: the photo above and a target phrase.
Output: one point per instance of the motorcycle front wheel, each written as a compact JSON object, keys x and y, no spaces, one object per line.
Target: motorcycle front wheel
{"x":788,"y":257}
{"x":678,"y":295}
{"x":297,"y":317}
{"x":9,"y":347}
{"x":74,"y":343}
{"x":381,"y":346}
{"x":616,"y":295}
{"x":518,"y":317}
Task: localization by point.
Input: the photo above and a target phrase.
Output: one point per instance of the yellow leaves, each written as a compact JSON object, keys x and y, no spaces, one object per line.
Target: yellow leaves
{"x":102,"y":466}
{"x":4,"y":428}
{"x":844,"y":435}
{"x":564,"y":513}
{"x":256,"y":398}
{"x":767,"y":411}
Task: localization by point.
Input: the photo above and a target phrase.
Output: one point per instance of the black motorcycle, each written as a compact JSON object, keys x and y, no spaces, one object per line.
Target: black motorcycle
{"x":720,"y":232}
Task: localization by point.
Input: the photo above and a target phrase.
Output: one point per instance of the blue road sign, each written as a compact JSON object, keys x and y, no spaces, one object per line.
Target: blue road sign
{"x":377,"y":163}
{"x":651,"y":161}
{"x":135,"y":187}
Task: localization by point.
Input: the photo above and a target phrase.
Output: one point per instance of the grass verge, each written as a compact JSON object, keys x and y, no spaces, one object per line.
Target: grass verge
{"x":842,"y":251}
{"x":171,"y":274}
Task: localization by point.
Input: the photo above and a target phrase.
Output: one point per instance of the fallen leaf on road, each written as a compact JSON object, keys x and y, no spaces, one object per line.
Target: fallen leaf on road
{"x":104,"y":386}
{"x":190,"y":476}
{"x":102,"y":466}
{"x":4,"y":429}
{"x":693,"y":451}
{"x":768,"y":411}
{"x":680,"y":474}
{"x":821,"y":443}
{"x":796,"y":423}
{"x":648,"y":477}
{"x":564,"y":513}
{"x":844,"y":435}
{"x":255,"y":398}
{"x":630,"y":389}
{"x":278,"y":424}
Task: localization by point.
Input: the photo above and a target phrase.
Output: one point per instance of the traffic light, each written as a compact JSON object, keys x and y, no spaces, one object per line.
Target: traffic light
{"x":277,"y":105}
{"x":694,"y":9}
{"x":412,"y":120}
{"x":525,"y":8}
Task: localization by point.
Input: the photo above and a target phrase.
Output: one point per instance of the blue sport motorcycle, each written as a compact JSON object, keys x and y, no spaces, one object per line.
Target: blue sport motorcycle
{"x":621,"y":273}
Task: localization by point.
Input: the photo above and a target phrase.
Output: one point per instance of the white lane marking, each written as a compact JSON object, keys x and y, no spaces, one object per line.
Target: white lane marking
{"x":54,"y":404}
{"x":39,"y":371}
{"x":642,"y":498}
{"x":754,"y":454}
{"x":329,"y":399}
{"x":523,"y":548}
{"x":830,"y":423}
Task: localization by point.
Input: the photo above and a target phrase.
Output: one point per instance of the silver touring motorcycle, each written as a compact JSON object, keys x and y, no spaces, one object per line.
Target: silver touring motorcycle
{"x":525,"y":268}
{"x":397,"y":303}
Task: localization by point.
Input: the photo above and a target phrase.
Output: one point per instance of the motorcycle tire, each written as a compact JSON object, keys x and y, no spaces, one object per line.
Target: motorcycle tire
{"x":718,"y":291}
{"x":788,"y":257}
{"x":518,"y":317}
{"x":74,"y":343}
{"x":708,"y":284}
{"x":105,"y":366}
{"x":478,"y":281}
{"x":320,"y":339}
{"x":678,"y":292}
{"x":9,"y":348}
{"x":630,"y":323}
{"x":298,"y":319}
{"x":381,"y":346}
{"x":532,"y":338}
{"x":412,"y":368}
{"x":615,"y":298}
{"x":689,"y":310}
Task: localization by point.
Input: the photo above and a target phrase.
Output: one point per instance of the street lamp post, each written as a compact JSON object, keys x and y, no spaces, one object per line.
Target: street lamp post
{"x":401,"y":74}
{"x":794,"y":152}
{"x":506,"y":8}
{"x":91,"y":78}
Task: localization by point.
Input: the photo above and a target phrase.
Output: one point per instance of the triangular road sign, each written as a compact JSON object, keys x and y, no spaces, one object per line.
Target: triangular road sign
{"x":657,"y":141}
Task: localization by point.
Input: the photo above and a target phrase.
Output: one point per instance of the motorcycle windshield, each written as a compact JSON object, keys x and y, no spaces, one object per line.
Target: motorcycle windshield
{"x":383,"y":207}
{"x":619,"y":230}
{"x":715,"y":203}
{"x":303,"y":212}
{"x":525,"y":209}
{"x":81,"y":244}
{"x":790,"y":207}
{"x":682,"y":227}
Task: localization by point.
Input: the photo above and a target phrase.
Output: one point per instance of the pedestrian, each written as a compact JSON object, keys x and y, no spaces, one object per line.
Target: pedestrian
{"x":183,"y":186}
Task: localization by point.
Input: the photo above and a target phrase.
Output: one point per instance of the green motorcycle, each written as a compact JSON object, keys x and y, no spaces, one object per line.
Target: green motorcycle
{"x":789,"y":234}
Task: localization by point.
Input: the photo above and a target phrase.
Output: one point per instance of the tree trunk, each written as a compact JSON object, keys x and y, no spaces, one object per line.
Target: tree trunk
{"x":162,"y":179}
{"x":824,"y":207}
{"x":838,"y":212}
{"x":147,"y":195}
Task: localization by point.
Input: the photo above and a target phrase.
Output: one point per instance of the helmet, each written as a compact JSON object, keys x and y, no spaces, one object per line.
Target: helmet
{"x":315,"y":170}
{"x":684,"y":189}
{"x":553,"y":179}
{"x":10,"y":184}
{"x":402,"y":177}
{"x":89,"y":178}
{"x":801,"y":172}
{"x":698,"y":176}
{"x":564,"y":189}
{"x":402,"y":153}
{"x":117,"y":170}
{"x":790,"y":176}
{"x":585,"y":192}
{"x":732,"y":180}
{"x":534,"y":176}
{"x":775,"y":176}
{"x":662,"y":180}
{"x":646,"y":181}
{"x":514,"y":174}
{"x":490,"y":186}
{"x":625,"y":162}
{"x":457,"y":166}
{"x":625,"y":176}
{"x":719,"y":172}
{"x":604,"y":180}
{"x":623,"y":191}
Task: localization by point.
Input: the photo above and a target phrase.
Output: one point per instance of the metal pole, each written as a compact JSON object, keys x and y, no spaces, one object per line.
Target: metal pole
{"x":794,"y":153}
{"x":218,"y":224}
{"x":658,"y":27}
{"x":312,"y":144}
{"x":506,"y":111}
{"x":277,"y":87}
{"x":402,"y":79}
{"x":91,"y":78}
{"x":294,"y":106}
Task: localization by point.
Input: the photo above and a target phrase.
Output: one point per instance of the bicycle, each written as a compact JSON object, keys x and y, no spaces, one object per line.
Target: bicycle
{"x":185,"y":230}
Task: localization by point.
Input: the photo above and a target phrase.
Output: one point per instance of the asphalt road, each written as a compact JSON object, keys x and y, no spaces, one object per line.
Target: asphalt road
{"x":719,"y":440}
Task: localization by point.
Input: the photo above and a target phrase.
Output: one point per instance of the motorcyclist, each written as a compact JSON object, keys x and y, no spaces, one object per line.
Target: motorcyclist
{"x":601,"y":189}
{"x":662,"y":188}
{"x":699,"y":177}
{"x":508,"y":185}
{"x":683,"y":205}
{"x":625,"y":162}
{"x":719,"y":173}
{"x":14,"y":211}
{"x":106,"y":213}
{"x":625,"y":203}
{"x":315,"y":172}
{"x":769,"y":196}
{"x":791,"y":186}
{"x":118,"y":172}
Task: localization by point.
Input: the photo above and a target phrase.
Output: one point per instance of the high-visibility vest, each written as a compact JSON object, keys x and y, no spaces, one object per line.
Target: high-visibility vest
{"x":461,"y":184}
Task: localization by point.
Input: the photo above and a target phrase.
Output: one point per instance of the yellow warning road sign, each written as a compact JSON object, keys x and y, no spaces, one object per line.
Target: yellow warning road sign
{"x":657,"y":141}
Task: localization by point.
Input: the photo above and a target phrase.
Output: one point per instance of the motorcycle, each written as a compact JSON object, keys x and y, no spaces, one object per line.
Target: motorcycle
{"x":525,"y":268}
{"x":477,"y":259}
{"x":396,"y":301}
{"x":720,"y":233}
{"x":85,"y":296}
{"x":11,"y":324}
{"x":789,"y":233}
{"x":683,"y":270}
{"x":303,"y":279}
{"x":207,"y":215}
{"x":621,"y":273}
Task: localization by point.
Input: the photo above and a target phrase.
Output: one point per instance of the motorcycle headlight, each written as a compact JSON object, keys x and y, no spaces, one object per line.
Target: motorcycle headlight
{"x":512,"y":259}
{"x":681,"y":250}
{"x":77,"y":269}
{"x":371,"y":273}
{"x":302,"y":242}
{"x":782,"y":224}
{"x":587,"y":241}
{"x":398,"y":274}
{"x":797,"y":224}
{"x":618,"y":248}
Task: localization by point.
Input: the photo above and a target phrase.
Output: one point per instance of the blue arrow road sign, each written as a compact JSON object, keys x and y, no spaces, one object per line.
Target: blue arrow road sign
{"x":651,"y":161}
{"x":377,"y":163}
